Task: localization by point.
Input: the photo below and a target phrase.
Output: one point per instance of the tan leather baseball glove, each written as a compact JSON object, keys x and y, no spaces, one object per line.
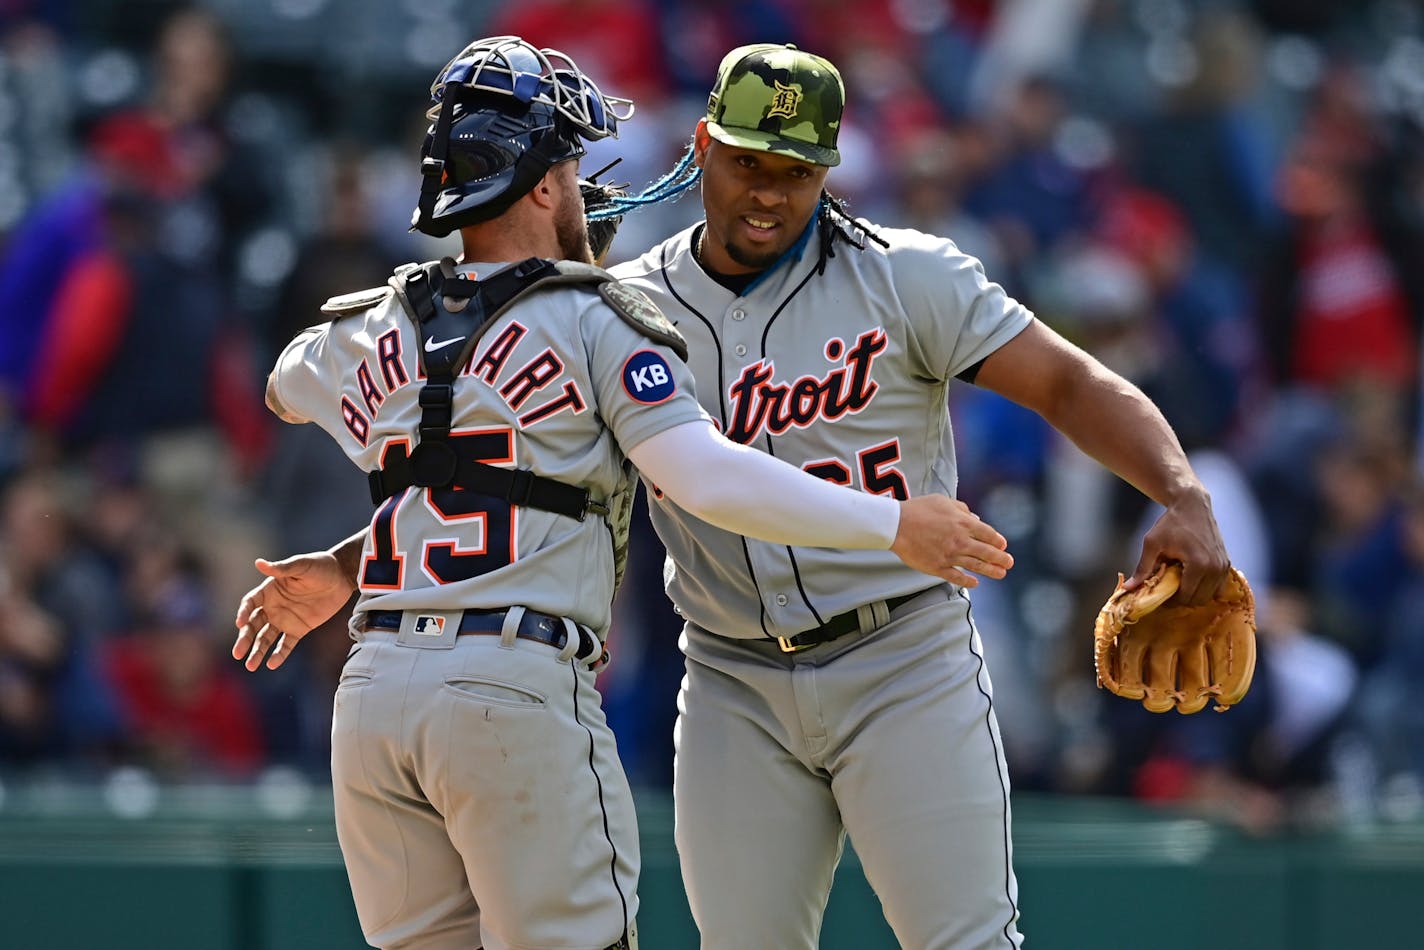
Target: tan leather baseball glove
{"x":1177,"y":656}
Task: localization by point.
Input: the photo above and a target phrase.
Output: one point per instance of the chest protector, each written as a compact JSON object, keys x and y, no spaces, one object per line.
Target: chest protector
{"x":457,"y":311}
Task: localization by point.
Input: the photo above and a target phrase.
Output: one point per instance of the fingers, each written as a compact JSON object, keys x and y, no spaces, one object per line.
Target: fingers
{"x":1146,"y":565}
{"x":282,"y":650}
{"x":964,"y":572}
{"x":259,"y":638}
{"x":242,"y":646}
{"x":985,"y":551}
{"x":263,"y":639}
{"x":1186,"y":532}
{"x":991,"y":550}
{"x":942,"y":537}
{"x":1203,"y":570}
{"x":960,"y":567}
{"x":268,"y":613}
{"x":248,"y":647}
{"x":1201,"y":582}
{"x":956,"y":576}
{"x":252,"y":600}
{"x":1198,"y":585}
{"x":254,"y":637}
{"x":985,"y":533}
{"x":996,"y":566}
{"x":1190,"y":591}
{"x":989,"y":557}
{"x":293,"y":566}
{"x":279,"y":647}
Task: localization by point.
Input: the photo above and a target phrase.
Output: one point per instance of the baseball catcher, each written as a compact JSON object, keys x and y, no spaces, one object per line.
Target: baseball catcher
{"x":1172,"y":656}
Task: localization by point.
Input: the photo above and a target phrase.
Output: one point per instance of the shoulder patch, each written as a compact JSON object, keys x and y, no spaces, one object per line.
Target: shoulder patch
{"x":352,"y":303}
{"x":648,"y":378}
{"x":638,"y":310}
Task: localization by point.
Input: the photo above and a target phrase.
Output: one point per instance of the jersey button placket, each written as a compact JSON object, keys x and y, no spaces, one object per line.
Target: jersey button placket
{"x":734,"y":333}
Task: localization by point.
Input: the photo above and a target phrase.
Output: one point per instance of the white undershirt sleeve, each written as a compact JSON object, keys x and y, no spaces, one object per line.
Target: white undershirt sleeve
{"x":751,"y":493}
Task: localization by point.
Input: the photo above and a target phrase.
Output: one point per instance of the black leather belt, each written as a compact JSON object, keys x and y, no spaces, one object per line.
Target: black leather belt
{"x":536,"y":626}
{"x":838,"y":626}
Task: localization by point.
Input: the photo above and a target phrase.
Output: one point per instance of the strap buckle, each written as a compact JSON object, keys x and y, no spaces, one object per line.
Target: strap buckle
{"x":431,"y":167}
{"x":788,"y":647}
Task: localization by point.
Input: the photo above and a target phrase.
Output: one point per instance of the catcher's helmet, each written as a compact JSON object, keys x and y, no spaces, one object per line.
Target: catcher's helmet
{"x":503,"y":113}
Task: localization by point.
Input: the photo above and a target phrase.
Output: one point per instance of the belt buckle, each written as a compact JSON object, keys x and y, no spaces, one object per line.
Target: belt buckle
{"x":788,"y":647}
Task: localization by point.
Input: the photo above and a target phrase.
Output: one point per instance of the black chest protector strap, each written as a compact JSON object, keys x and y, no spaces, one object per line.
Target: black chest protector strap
{"x":451,"y":313}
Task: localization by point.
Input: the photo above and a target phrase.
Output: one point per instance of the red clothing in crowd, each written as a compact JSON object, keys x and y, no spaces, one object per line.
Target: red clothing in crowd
{"x":615,"y":40}
{"x":1352,"y":319}
{"x":189,"y":716}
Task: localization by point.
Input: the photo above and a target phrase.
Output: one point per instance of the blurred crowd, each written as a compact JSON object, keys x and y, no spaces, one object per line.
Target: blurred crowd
{"x":1221,"y":199}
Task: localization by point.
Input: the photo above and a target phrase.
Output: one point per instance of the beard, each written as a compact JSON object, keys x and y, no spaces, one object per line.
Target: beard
{"x":758,"y":260}
{"x":572,"y":230}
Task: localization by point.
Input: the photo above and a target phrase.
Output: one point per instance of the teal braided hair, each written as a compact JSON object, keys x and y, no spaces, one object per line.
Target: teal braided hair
{"x":670,"y":187}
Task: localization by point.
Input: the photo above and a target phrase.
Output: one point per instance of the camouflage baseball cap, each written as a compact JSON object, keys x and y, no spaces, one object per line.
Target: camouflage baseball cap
{"x":778,"y":99}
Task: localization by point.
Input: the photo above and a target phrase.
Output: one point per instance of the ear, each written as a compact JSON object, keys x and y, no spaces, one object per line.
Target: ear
{"x":546,"y":193}
{"x":701,"y":142}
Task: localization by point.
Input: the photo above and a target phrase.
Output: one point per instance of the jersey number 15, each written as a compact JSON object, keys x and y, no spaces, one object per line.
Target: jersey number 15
{"x":443,"y":560}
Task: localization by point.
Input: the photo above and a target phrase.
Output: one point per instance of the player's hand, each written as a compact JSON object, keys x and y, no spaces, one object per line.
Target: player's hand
{"x":297,"y":596}
{"x":1186,"y":532}
{"x":939,"y":535}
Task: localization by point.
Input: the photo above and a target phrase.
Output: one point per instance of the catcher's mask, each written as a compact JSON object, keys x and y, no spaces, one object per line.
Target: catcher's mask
{"x":502,"y":114}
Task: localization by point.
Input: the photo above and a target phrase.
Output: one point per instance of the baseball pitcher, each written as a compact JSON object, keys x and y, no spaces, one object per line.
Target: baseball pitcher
{"x":832,"y":690}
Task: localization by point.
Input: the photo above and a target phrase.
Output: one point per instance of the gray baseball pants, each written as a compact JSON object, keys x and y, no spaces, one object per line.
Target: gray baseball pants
{"x":479,"y":798}
{"x":889,"y":735}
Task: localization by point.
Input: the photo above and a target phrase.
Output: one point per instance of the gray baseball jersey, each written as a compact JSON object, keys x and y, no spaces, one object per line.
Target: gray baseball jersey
{"x":479,"y":798}
{"x":839,"y":365}
{"x":556,"y":386}
{"x":844,"y":374}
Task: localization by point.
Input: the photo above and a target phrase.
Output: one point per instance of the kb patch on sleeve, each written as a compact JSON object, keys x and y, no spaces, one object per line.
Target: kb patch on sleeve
{"x":647,"y":378}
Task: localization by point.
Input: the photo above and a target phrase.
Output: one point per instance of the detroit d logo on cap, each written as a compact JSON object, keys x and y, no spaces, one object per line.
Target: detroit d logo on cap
{"x":647,"y":378}
{"x":784,"y":101}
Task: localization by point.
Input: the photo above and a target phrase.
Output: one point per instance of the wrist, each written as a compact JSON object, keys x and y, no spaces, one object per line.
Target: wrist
{"x":348,"y":557}
{"x":1188,"y":494}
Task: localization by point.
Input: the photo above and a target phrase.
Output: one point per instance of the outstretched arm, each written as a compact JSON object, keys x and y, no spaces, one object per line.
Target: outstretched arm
{"x":298,"y":595}
{"x":934,"y":534}
{"x":754,"y":494}
{"x":1113,"y":421}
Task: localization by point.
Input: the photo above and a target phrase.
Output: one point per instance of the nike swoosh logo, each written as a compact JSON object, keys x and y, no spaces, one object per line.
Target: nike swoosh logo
{"x":431,"y":346}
